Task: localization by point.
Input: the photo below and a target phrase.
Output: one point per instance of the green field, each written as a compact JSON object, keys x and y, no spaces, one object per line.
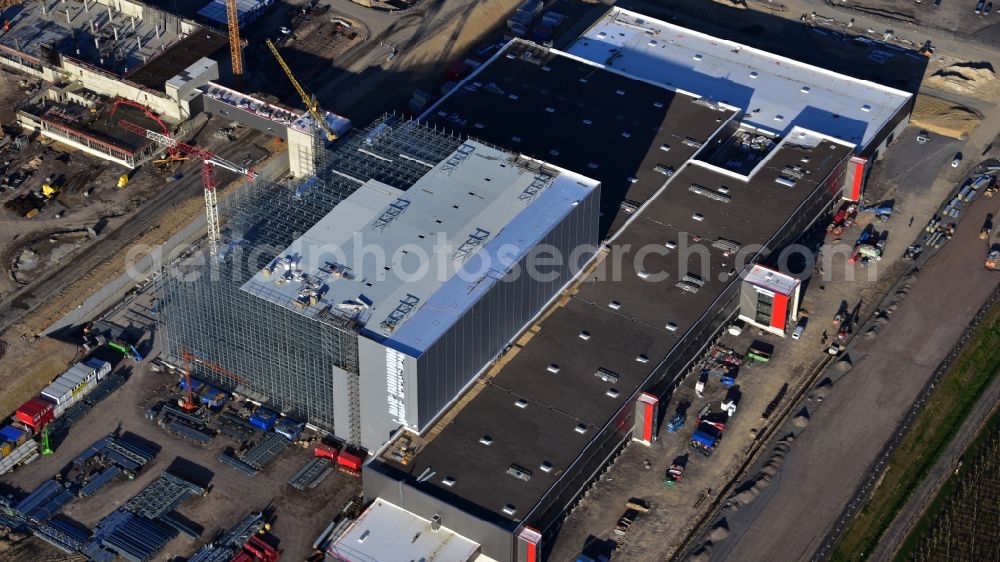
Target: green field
{"x":961,"y":524}
{"x":936,"y":424}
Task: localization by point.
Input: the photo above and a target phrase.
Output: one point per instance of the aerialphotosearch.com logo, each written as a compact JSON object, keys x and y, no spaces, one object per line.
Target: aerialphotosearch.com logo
{"x":442,"y":259}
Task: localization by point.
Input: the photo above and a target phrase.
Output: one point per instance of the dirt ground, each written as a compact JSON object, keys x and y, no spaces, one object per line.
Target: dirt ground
{"x":299,"y":516}
{"x":953,"y":16}
{"x":943,"y":117}
{"x":156,"y":214}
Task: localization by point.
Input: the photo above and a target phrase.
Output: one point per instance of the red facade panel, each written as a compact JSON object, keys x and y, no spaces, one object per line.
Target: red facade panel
{"x":779,"y":310}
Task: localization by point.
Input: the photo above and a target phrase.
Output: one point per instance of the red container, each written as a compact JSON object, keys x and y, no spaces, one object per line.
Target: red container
{"x":349,"y":461}
{"x":35,"y":413}
{"x":457,"y":71}
{"x":327,"y":452}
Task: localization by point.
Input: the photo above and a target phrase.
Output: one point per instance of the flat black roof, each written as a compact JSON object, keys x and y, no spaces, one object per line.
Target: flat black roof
{"x":202,"y":42}
{"x":576,"y":115}
{"x":633,"y":316}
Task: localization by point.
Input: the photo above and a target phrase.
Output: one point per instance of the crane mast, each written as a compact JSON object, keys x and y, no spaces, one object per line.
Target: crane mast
{"x":311,"y":104}
{"x":235,"y":46}
{"x":209,"y":162}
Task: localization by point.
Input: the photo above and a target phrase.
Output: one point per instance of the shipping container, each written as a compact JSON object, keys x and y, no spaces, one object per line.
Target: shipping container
{"x":541,"y":33}
{"x":36,"y":413}
{"x":553,"y":19}
{"x":457,"y":70}
{"x":326,"y":451}
{"x":519,"y":18}
{"x":264,"y":418}
{"x":289,"y":428}
{"x":349,"y":461}
{"x":13,"y":435}
{"x":212,"y":396}
{"x":76,"y":381}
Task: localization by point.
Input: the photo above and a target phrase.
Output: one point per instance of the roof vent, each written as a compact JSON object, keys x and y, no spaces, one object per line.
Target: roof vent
{"x":550,"y":110}
{"x":626,"y":134}
{"x":547,"y":68}
{"x":614,"y":305}
{"x":553,"y":368}
{"x":658,"y":104}
{"x":588,"y":122}
{"x":606,"y":375}
{"x":521,"y":403}
{"x":643,"y":275}
{"x":665,"y":147}
{"x":697,"y":57}
{"x":698,"y":217}
{"x":580,"y":428}
{"x":513,"y":97}
{"x":612,"y":392}
{"x":671,"y":244}
{"x":515,"y":139}
{"x":436,"y":520}
{"x":554,"y":152}
{"x":486,"y":440}
{"x":592,"y":166}
{"x":509,"y":509}
{"x":866,"y":107}
{"x":519,"y":472}
{"x":364,"y":536}
{"x":478,"y":125}
{"x":545,"y":467}
{"x":585,"y":335}
{"x":642,"y":358}
{"x":448,"y":481}
{"x":753,"y":74}
{"x":805,"y":89}
{"x":620,"y":92}
{"x":671,"y":327}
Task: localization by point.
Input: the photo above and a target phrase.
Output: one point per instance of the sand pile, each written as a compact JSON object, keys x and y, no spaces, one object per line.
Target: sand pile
{"x":964,"y":77}
{"x":944,"y":117}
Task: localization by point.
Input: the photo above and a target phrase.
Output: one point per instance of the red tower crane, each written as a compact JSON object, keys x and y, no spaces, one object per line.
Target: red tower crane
{"x":209,"y":162}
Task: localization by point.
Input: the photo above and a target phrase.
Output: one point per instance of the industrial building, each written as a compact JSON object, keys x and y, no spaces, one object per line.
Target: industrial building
{"x":773,"y":93}
{"x":369,"y":297}
{"x":94,"y":53}
{"x":769,"y":300}
{"x":692,"y":199}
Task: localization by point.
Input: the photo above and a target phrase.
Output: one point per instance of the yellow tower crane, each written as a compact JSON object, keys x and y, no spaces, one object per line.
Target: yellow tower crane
{"x":235,"y":47}
{"x":307,"y":99}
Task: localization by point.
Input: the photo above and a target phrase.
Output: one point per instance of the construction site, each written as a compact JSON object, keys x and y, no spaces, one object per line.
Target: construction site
{"x":343,"y":281}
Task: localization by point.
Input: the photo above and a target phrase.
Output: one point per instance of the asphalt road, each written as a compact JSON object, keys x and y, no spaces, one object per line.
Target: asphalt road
{"x":846,"y":434}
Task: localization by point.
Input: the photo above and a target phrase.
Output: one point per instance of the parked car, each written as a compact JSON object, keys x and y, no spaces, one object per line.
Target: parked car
{"x":957,"y":160}
{"x":923,"y":137}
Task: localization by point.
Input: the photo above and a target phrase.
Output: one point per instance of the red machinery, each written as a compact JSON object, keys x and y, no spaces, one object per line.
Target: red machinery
{"x":209,"y":162}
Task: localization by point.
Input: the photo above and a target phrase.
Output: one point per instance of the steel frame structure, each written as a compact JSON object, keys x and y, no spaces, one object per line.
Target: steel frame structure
{"x":292,"y":361}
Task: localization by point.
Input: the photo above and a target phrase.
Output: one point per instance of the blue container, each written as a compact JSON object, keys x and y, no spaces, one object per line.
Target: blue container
{"x":196,"y":385}
{"x":13,"y":435}
{"x":264,"y":418}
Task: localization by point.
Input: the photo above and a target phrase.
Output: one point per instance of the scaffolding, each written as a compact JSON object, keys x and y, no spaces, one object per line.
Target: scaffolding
{"x":275,"y":354}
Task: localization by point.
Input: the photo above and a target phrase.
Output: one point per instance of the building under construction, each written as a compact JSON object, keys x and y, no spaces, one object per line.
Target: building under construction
{"x":298,"y":315}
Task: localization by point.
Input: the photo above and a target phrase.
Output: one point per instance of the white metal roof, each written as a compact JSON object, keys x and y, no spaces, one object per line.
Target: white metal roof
{"x":387,"y":533}
{"x":78,"y":373}
{"x":775,"y":92}
{"x":389,"y":247}
{"x":771,"y":280}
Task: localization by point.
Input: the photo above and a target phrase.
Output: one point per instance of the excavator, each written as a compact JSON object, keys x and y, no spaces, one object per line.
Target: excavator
{"x":311,"y":103}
